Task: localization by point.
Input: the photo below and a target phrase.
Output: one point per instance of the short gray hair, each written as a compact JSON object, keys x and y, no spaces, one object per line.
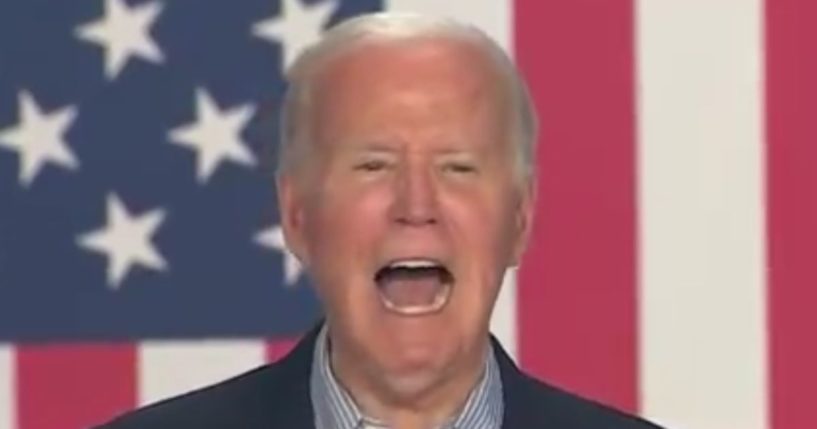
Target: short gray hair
{"x":402,"y":26}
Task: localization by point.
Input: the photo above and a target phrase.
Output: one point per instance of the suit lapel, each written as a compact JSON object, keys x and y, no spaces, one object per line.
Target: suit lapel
{"x":515,"y":393}
{"x":290,"y":400}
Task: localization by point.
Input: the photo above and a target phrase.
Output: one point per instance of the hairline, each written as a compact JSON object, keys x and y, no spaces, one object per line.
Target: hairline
{"x":400,"y":27}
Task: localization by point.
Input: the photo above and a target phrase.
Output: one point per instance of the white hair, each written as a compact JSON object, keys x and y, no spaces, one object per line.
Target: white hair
{"x":391,"y":26}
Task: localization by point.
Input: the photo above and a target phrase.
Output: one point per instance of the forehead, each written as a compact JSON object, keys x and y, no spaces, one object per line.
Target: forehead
{"x":414,"y":59}
{"x":425,"y":78}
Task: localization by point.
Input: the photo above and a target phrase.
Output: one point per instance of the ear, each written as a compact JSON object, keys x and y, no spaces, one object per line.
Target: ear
{"x":523,"y":220}
{"x":291,"y":210}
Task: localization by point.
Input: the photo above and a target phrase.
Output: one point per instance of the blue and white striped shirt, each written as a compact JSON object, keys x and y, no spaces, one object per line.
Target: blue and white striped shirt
{"x":335,"y":409}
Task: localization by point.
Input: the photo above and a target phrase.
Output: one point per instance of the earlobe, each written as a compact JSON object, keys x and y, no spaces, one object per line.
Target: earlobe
{"x":292,"y":219}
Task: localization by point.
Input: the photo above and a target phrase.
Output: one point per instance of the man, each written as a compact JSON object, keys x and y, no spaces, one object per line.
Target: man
{"x":406,"y":186}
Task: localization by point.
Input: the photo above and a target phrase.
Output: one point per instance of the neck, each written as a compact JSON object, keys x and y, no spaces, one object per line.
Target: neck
{"x":435,"y":403}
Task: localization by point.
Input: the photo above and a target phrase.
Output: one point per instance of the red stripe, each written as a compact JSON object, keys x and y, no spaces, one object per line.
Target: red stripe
{"x":73,"y":386}
{"x":577,"y":293}
{"x":791,"y":67}
{"x":279,"y":348}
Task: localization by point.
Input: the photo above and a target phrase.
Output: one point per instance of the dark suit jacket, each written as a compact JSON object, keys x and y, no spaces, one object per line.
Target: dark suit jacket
{"x":277,"y":396}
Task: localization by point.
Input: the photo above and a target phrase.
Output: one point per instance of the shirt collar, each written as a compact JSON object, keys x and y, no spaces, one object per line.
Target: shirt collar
{"x":335,"y":409}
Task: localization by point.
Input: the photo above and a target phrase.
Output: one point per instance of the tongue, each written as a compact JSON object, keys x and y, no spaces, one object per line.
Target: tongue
{"x":411,"y":291}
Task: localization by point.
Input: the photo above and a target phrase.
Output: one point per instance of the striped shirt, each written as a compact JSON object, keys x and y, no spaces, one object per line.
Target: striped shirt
{"x":335,"y":409}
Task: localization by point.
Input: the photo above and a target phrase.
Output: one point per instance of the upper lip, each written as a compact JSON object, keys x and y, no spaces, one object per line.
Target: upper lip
{"x":433,"y":261}
{"x":415,"y":261}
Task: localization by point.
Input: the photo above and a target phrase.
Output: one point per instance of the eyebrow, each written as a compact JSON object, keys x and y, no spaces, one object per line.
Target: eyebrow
{"x":380,"y":147}
{"x":370,"y":146}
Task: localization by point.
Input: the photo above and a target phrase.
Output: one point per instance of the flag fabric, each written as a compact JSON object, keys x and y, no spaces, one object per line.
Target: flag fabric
{"x":673,"y":268}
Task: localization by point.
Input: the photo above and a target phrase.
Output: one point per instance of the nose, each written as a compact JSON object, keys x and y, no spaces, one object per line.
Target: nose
{"x":415,"y":202}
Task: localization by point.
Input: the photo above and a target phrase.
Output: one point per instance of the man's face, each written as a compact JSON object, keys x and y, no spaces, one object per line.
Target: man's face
{"x":408,"y":208}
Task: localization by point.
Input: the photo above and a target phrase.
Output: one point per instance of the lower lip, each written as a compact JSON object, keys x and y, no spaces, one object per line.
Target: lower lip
{"x":437,"y":305}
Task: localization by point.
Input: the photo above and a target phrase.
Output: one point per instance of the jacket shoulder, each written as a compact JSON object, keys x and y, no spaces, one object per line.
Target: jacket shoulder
{"x":237,"y":402}
{"x":276,"y":393}
{"x":555,"y":407}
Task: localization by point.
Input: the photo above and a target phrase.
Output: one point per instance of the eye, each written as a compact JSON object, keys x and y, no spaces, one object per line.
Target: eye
{"x":371,"y":165}
{"x":460,"y":167}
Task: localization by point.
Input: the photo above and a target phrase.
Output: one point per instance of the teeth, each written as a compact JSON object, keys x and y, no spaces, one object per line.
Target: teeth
{"x":414,"y":263}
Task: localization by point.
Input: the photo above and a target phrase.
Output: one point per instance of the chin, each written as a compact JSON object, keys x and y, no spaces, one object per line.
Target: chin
{"x":414,"y":370}
{"x":411,"y":384}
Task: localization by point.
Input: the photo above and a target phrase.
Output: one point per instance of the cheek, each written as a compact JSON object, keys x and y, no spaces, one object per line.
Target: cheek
{"x":345,"y":216}
{"x":481,"y":235}
{"x":344,"y":229}
{"x":480,"y":221}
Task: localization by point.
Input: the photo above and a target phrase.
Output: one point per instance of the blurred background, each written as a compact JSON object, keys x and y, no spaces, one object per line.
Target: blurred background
{"x":673,"y":270}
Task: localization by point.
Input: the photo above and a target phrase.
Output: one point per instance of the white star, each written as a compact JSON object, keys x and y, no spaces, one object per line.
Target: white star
{"x":38,"y":138}
{"x":125,"y":240}
{"x":296,"y":27}
{"x":124,"y":32}
{"x":216,"y":136}
{"x":273,"y":238}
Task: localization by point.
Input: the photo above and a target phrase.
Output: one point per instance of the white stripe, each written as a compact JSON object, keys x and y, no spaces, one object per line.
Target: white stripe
{"x":173,"y":367}
{"x":703,"y":352}
{"x":503,"y":321}
{"x":8,"y":404}
{"x":495,"y":17}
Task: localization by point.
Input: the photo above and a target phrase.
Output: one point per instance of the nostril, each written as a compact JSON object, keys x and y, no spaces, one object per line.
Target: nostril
{"x":411,"y":213}
{"x":417,"y":211}
{"x":417,"y":220}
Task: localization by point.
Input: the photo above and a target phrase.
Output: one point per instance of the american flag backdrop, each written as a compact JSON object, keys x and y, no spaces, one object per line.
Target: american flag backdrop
{"x":673,"y":269}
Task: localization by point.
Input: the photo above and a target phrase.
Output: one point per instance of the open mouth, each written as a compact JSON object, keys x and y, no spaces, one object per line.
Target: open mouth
{"x":414,"y":287}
